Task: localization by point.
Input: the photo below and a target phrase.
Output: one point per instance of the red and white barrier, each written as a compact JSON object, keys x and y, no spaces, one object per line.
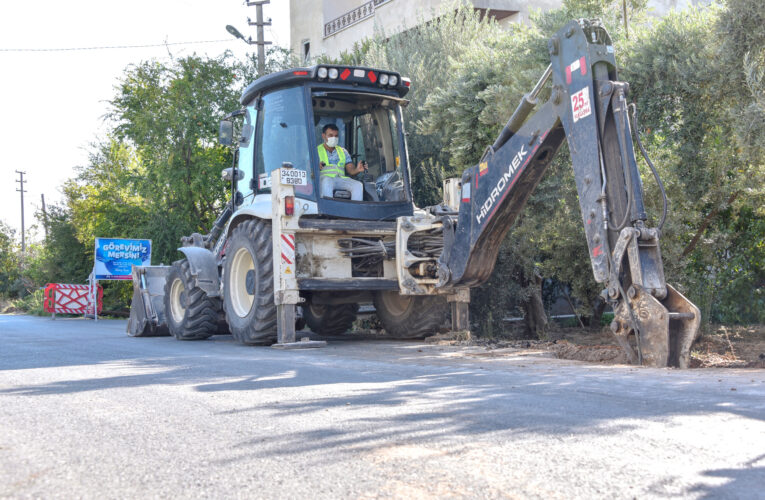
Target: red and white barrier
{"x":71,"y":299}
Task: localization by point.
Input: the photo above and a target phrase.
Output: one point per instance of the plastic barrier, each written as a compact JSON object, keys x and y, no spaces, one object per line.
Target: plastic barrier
{"x":71,"y":299}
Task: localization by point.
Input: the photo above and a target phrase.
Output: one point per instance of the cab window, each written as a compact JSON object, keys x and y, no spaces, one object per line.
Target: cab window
{"x":369,"y":131}
{"x":282,"y":136}
{"x":246,"y":153}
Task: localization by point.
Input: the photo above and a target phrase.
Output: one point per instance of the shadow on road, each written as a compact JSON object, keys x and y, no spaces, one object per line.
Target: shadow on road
{"x":416,"y":397}
{"x":741,"y":481}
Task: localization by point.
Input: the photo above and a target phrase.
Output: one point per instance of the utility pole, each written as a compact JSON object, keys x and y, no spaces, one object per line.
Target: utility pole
{"x":626,"y":24}
{"x":260,"y":41}
{"x":21,"y":190}
{"x":45,"y":216}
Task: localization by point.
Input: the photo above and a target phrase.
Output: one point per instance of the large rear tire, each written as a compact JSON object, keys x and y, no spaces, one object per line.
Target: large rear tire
{"x":330,"y":319}
{"x":190,"y":313}
{"x":411,"y":316}
{"x":248,"y":290}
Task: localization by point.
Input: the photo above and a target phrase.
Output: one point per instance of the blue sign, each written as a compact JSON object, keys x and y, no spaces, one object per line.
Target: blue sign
{"x":115,"y":257}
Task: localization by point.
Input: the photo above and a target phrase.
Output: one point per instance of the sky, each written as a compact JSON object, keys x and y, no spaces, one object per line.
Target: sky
{"x":52,"y":103}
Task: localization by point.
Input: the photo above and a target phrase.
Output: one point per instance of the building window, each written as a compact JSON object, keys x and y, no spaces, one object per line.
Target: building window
{"x":306,"y":52}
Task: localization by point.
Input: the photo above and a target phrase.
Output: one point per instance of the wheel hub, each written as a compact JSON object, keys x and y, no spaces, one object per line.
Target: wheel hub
{"x":396,"y":303}
{"x":242,"y":282}
{"x":250,"y":282}
{"x":177,"y":300}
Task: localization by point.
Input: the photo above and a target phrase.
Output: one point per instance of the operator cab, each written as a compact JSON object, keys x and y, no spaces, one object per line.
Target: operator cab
{"x":284,"y":115}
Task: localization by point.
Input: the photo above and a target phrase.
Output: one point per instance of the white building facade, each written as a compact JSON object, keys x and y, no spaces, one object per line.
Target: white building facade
{"x":329,"y":27}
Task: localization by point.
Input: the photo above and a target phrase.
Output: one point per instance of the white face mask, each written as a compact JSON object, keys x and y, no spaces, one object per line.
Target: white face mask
{"x":331,"y":142}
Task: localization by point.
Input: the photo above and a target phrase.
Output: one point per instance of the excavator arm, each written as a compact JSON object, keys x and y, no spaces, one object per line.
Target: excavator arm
{"x":588,"y":109}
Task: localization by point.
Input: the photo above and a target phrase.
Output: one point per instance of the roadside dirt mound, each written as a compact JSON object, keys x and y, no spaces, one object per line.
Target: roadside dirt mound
{"x":723,"y":347}
{"x":611,"y":354}
{"x":739,"y":346}
{"x":6,"y":307}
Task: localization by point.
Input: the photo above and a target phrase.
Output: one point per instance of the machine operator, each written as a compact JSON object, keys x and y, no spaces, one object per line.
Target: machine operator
{"x":336,"y":166}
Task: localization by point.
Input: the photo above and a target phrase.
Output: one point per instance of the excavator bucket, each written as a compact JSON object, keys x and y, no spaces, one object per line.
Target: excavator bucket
{"x":147,"y":311}
{"x":666,"y":328}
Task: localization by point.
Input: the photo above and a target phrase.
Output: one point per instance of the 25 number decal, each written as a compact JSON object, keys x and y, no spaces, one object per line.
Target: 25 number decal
{"x":580,"y":104}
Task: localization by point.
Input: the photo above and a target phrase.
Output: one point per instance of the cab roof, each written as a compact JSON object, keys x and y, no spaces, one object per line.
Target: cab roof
{"x":339,"y":76}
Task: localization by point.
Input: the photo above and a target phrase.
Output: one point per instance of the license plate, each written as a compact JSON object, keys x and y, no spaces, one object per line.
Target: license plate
{"x":294,"y":177}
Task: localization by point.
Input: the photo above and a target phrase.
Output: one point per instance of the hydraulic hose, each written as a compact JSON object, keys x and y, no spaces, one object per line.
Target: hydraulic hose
{"x":650,"y":164}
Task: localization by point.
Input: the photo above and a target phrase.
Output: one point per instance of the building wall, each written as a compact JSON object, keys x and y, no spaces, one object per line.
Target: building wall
{"x":308,"y":19}
{"x":663,"y":7}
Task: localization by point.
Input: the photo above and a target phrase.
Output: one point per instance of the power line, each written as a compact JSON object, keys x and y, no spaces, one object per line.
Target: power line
{"x":114,"y":46}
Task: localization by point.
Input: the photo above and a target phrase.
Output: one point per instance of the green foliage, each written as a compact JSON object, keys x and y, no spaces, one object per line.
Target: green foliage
{"x":277,"y":59}
{"x":742,"y":59}
{"x":697,"y":77}
{"x":65,"y":258}
{"x":740,"y":281}
{"x":161,"y":169}
{"x":705,"y":154}
{"x":9,"y":262}
{"x":31,"y":303}
{"x":487,"y":77}
{"x":425,"y":54}
{"x":354,"y":57}
{"x":468,"y":75}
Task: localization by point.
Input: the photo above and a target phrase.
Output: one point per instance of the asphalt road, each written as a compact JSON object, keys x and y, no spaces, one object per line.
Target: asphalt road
{"x":87,"y":412}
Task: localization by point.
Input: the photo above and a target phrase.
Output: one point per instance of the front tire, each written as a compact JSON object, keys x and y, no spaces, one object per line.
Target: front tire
{"x":190,"y":313}
{"x":411,"y":316}
{"x":249,"y":283}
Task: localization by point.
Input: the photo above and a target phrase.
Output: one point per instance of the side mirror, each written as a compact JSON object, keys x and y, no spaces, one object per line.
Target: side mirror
{"x":227,"y":174}
{"x":246,"y":134}
{"x":226,"y":133}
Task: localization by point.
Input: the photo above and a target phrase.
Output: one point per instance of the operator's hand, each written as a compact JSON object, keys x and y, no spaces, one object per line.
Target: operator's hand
{"x":322,"y":165}
{"x":351,"y":169}
{"x":360,"y":167}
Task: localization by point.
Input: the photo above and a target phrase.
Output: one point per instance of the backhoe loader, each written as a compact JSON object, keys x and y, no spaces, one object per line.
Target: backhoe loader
{"x":285,"y":253}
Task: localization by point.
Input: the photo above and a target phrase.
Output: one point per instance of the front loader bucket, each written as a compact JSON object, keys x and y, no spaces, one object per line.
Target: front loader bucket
{"x":147,"y":310}
{"x":667,"y":328}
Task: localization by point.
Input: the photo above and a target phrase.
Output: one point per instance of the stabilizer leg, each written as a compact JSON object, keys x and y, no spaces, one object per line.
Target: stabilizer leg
{"x":460,"y":309}
{"x":285,"y":330}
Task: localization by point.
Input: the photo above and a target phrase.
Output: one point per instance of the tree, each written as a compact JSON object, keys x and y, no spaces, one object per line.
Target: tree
{"x":155,"y":175}
{"x":488,"y":76}
{"x":163,"y":160}
{"x":705,"y":154}
{"x":9,"y":260}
